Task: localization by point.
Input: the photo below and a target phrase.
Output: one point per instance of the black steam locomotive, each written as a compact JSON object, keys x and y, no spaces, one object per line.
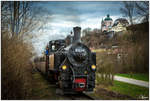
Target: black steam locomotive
{"x":70,"y":64}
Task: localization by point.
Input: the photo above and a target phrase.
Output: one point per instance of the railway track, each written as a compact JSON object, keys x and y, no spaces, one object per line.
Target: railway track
{"x":90,"y":97}
{"x":81,"y":96}
{"x":75,"y":96}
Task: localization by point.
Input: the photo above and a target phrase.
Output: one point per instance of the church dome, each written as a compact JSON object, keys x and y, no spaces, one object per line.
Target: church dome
{"x":108,"y":18}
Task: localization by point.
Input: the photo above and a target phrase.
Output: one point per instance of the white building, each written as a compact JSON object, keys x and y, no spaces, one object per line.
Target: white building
{"x":120,"y":25}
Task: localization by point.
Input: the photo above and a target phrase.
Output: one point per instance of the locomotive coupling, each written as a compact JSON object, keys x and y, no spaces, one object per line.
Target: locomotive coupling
{"x":81,"y":85}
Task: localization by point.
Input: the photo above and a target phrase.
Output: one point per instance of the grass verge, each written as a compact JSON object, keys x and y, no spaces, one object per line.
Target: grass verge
{"x":44,"y":90}
{"x":129,"y":89}
{"x":144,"y":77}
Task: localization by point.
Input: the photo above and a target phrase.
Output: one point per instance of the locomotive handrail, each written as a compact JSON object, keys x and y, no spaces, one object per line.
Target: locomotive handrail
{"x":62,"y":47}
{"x":73,"y":73}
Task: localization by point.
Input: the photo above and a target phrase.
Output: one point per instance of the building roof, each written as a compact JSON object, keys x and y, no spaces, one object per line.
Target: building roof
{"x":108,"y":18}
{"x":122,"y":21}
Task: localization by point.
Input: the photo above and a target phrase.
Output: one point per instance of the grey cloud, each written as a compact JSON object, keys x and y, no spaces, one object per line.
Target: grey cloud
{"x":73,"y":13}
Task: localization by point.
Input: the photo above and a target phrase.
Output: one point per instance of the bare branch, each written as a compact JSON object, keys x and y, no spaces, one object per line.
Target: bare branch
{"x":128,"y":10}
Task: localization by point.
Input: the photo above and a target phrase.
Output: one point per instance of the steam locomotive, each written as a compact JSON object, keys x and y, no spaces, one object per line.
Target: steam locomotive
{"x":70,"y":64}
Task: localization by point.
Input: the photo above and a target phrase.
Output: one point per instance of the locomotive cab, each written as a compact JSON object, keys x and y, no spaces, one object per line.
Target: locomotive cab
{"x":55,"y":45}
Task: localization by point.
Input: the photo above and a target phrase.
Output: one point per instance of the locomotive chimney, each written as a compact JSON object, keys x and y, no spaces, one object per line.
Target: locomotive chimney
{"x":77,"y":33}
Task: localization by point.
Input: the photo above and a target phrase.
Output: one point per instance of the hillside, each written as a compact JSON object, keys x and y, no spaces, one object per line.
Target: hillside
{"x":97,"y":39}
{"x":132,"y":46}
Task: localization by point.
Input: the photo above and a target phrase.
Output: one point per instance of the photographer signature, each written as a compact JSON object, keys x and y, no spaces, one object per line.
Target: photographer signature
{"x":143,"y":97}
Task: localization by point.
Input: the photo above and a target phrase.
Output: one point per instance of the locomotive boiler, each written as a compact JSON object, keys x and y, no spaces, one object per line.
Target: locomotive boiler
{"x":70,"y":64}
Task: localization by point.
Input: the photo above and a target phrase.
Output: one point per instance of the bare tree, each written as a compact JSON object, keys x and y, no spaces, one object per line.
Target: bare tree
{"x":20,"y":18}
{"x":128,"y":10}
{"x":14,"y":16}
{"x":86,"y":31}
{"x":143,"y":9}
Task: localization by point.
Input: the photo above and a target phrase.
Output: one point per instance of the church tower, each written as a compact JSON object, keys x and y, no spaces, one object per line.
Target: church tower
{"x":106,"y":24}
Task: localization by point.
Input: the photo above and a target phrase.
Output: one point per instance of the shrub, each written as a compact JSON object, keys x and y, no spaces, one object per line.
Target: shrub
{"x":16,"y":70}
{"x":106,"y":66}
{"x":136,"y":47}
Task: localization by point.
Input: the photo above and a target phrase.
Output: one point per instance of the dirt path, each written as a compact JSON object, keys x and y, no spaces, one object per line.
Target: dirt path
{"x":132,"y":81}
{"x":105,"y":94}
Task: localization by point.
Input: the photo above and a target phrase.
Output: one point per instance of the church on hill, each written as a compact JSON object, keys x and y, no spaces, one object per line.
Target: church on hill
{"x":106,"y":24}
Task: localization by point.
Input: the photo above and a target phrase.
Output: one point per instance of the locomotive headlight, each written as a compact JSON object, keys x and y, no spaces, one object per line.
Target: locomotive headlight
{"x":93,"y":67}
{"x":64,"y":67}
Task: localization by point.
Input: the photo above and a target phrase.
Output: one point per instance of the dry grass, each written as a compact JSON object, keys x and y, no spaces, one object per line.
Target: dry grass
{"x":98,"y":50}
{"x":106,"y":66}
{"x":16,"y":69}
{"x":136,"y":47}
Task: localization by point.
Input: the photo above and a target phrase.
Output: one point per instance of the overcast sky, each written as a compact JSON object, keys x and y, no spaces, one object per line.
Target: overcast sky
{"x":62,"y":16}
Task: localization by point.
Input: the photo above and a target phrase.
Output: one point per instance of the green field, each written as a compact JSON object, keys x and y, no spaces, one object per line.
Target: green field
{"x":129,"y":89}
{"x":144,"y":77}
